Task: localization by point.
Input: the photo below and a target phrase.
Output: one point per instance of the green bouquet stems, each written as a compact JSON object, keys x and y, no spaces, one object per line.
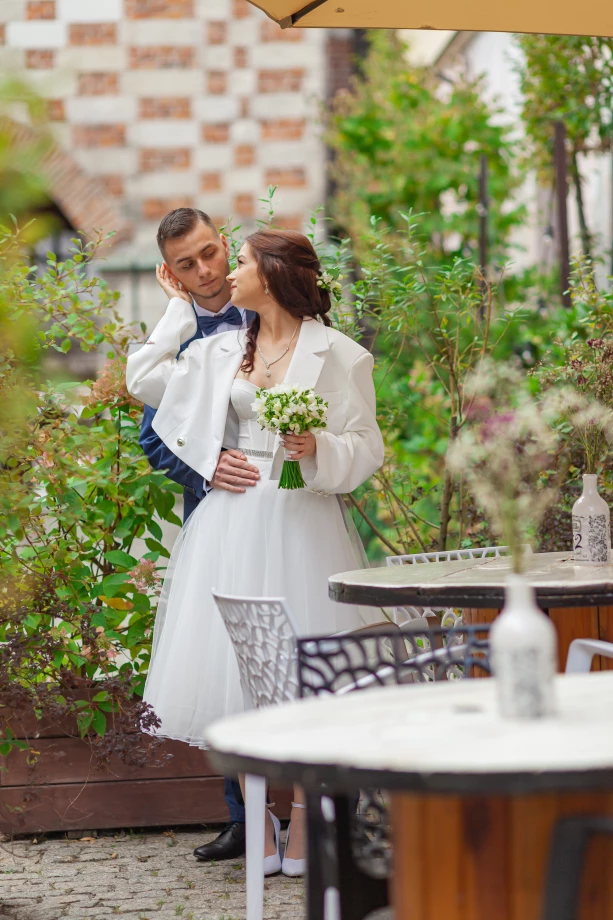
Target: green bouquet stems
{"x":291,"y":475}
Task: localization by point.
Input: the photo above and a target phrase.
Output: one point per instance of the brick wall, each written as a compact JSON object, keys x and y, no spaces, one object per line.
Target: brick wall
{"x":177,"y":102}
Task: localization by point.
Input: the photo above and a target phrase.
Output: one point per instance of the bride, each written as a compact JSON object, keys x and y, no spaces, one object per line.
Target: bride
{"x":263,"y":542}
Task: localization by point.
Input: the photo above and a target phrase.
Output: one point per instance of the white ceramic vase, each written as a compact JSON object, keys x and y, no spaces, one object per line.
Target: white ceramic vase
{"x":523,"y":645}
{"x":591,"y":526}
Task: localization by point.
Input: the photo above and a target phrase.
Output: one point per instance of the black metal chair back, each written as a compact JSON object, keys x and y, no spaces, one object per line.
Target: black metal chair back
{"x":359,"y":661}
{"x":358,"y":846}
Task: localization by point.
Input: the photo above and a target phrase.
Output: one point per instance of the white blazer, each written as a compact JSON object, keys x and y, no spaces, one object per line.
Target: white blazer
{"x":192,"y":396}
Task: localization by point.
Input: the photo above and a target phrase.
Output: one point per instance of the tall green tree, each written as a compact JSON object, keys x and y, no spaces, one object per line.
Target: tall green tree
{"x":403,"y":141}
{"x":567,"y":78}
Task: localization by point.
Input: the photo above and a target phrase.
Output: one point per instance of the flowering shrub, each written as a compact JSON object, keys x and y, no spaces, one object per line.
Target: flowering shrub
{"x":76,"y":493}
{"x":506,"y":448}
{"x":508,"y":453}
{"x":586,"y":370}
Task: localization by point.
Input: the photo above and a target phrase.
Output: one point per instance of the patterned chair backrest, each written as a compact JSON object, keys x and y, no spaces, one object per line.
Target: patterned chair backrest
{"x":264,"y":638}
{"x":351,"y":662}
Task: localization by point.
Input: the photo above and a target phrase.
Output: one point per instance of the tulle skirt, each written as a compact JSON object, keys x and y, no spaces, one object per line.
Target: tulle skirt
{"x":266,"y":542}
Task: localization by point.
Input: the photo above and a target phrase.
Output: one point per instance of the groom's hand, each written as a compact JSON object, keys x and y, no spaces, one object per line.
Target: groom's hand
{"x":234,"y":473}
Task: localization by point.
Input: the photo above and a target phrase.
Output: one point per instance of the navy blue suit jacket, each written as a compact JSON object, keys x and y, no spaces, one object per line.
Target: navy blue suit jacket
{"x":162,"y":458}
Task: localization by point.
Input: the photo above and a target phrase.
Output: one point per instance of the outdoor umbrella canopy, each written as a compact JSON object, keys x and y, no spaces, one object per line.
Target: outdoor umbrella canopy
{"x":561,"y":17}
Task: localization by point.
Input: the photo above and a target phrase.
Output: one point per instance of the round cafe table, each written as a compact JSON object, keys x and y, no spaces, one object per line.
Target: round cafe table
{"x":578,"y":599}
{"x":474,"y":797}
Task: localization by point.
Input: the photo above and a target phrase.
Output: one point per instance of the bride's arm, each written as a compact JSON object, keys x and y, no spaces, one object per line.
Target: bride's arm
{"x":151,"y":367}
{"x":344,"y":461}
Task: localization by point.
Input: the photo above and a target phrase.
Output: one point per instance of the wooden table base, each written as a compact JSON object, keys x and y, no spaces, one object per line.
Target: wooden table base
{"x":570,"y":623}
{"x":485,"y":858}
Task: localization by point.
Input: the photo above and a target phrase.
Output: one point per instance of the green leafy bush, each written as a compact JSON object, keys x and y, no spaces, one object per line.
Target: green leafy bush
{"x":77,"y":497}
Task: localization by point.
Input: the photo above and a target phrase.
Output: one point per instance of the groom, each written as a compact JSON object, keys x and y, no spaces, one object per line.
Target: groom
{"x":196,"y":255}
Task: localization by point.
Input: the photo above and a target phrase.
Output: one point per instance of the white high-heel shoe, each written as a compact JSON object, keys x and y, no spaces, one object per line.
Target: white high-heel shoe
{"x":272,"y":864}
{"x":293,"y":867}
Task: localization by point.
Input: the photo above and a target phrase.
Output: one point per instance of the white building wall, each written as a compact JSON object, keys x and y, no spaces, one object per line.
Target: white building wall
{"x":495,"y":55}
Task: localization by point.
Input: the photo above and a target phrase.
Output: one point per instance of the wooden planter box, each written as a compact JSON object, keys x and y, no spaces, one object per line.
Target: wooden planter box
{"x":63,"y":791}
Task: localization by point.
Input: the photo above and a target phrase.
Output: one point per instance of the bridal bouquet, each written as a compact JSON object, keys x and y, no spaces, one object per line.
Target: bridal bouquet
{"x":290,"y":410}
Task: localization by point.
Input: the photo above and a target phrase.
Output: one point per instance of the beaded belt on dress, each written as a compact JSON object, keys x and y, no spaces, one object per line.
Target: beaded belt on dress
{"x":263,"y":454}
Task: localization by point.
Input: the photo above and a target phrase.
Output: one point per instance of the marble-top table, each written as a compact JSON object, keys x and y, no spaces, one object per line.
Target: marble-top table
{"x":475,"y":797}
{"x":578,"y":599}
{"x":475,"y":583}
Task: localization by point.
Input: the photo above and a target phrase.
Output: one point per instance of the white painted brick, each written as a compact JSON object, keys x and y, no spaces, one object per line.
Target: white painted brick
{"x":217,"y":57}
{"x":121,"y":161}
{"x":213,"y":157}
{"x":145,"y":32}
{"x":242,"y":82}
{"x":278,"y":105}
{"x":250,"y":180}
{"x":53,"y":84}
{"x":106,"y":57}
{"x":213,"y":9}
{"x":12,"y":10}
{"x":294,"y":201}
{"x":164,"y":132}
{"x":100,"y":110}
{"x":284,"y":55}
{"x":286,"y":153}
{"x":214,"y":109}
{"x":163,"y":82}
{"x":36,"y":33}
{"x":12,"y":59}
{"x":244,"y":32}
{"x":90,"y":10}
{"x":163,"y":185}
{"x":245,"y":131}
{"x":313,"y":84}
{"x":217,"y":204}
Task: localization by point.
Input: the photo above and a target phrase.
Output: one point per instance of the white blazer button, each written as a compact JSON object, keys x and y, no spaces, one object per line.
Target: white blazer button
{"x":180,"y":441}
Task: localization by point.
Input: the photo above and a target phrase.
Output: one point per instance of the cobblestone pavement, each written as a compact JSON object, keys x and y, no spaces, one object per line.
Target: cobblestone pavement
{"x":145,"y":876}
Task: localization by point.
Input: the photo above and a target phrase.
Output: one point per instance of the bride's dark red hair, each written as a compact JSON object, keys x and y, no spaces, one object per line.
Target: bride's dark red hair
{"x":288,"y":265}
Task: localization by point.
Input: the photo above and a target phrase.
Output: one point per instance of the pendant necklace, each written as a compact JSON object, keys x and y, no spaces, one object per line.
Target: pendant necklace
{"x":269,"y":364}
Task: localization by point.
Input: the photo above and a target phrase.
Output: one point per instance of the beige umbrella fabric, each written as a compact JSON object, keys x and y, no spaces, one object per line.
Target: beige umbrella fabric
{"x":562,"y":17}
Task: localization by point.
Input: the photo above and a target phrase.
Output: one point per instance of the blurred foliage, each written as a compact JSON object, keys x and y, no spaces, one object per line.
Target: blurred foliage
{"x":23,"y":186}
{"x":567,"y":78}
{"x":402,"y":141}
{"x":77,"y":496}
{"x":429,"y":328}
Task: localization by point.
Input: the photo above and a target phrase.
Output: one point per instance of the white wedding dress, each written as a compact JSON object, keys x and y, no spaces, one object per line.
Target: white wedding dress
{"x":265,"y":542}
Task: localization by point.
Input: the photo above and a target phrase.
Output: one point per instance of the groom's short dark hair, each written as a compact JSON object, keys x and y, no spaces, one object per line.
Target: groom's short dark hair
{"x":179,"y":222}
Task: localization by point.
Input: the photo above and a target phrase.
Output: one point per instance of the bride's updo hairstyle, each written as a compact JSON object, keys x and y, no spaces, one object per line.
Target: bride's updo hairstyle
{"x":288,"y":265}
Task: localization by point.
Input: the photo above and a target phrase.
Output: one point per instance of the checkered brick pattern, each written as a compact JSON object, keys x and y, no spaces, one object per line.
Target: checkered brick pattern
{"x":177,"y":102}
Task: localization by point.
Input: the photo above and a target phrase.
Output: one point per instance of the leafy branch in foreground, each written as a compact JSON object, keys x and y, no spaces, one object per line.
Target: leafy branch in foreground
{"x":80,"y":509}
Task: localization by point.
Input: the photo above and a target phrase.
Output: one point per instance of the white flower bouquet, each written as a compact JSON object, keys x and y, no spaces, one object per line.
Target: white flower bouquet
{"x":290,"y":410}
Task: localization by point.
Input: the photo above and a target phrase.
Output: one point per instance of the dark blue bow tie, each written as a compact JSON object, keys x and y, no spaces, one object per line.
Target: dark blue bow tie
{"x":208,"y":324}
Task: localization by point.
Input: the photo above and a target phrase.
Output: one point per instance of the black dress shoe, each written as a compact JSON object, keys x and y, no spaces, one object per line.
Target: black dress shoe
{"x":229,"y":844}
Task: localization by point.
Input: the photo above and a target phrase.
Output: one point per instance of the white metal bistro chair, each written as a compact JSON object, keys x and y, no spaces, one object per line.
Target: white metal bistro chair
{"x":263,"y":634}
{"x":446,"y":616}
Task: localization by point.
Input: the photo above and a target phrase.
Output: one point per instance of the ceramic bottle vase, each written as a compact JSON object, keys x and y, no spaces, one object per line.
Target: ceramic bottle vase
{"x":591,"y":526}
{"x":523,"y":645}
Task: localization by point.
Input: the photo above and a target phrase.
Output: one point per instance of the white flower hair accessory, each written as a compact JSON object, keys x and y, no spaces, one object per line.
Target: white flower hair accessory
{"x":330,"y":282}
